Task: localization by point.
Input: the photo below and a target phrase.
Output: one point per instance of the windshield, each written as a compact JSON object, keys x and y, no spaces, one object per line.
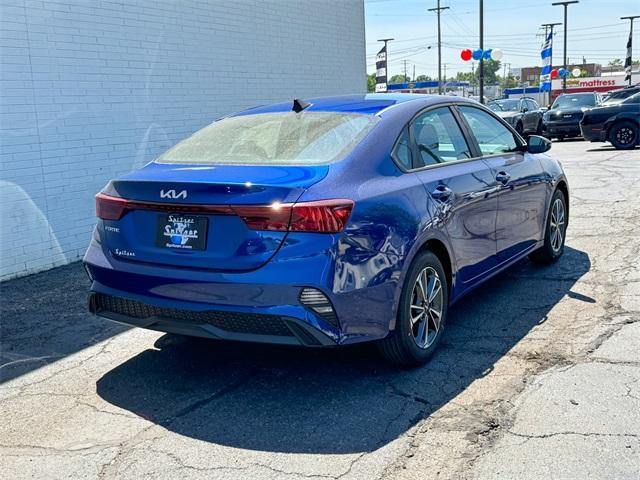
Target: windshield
{"x":574,"y":101}
{"x":505,"y":106}
{"x":618,"y":96}
{"x":287,"y":138}
{"x":635,"y":98}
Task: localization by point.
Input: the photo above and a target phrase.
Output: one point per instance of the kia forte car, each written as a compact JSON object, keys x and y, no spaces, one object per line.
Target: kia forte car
{"x":326,"y":222}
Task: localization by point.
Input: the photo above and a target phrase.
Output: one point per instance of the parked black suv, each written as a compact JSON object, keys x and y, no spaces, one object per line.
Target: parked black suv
{"x":523,"y":114}
{"x":563,"y":118}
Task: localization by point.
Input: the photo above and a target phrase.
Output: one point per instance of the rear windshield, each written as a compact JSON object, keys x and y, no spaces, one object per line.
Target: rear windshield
{"x":288,"y":138}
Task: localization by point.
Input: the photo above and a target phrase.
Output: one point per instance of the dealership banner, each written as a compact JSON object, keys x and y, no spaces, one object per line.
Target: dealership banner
{"x":628,"y":63}
{"x":381,"y":70}
{"x":545,"y":54}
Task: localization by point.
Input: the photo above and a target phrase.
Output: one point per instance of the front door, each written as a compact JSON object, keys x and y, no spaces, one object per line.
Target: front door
{"x":522,"y":198}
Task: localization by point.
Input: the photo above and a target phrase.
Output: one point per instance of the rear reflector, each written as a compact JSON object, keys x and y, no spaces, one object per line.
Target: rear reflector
{"x":323,"y":216}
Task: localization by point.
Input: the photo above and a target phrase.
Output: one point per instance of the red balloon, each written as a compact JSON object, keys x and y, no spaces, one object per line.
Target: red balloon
{"x":466,"y":54}
{"x":554,"y":73}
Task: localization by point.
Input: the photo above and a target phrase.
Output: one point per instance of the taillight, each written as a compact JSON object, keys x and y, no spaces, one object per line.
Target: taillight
{"x":110,"y":208}
{"x":323,"y":216}
{"x":326,"y":216}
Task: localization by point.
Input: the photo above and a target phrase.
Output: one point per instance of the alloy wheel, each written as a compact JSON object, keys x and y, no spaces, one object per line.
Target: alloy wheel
{"x":624,"y":135}
{"x":557,"y":225}
{"x":427,"y":303}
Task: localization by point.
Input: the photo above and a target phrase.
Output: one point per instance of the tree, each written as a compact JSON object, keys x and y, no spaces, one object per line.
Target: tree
{"x":616,"y":62}
{"x":397,"y":79}
{"x":423,"y":78}
{"x":371,"y":82}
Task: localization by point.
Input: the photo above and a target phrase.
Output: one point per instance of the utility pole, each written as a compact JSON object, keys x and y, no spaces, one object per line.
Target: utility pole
{"x":565,"y":4}
{"x":481,"y":66}
{"x":406,"y":79}
{"x":631,"y":37}
{"x":414,"y":72}
{"x":438,"y":9}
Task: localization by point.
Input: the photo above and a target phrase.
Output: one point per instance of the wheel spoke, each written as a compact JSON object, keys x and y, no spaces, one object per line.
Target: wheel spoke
{"x":434,"y":289}
{"x":435,"y":317}
{"x":421,"y":335}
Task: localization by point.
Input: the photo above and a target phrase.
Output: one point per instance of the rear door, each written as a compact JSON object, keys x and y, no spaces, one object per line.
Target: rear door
{"x":462,"y":190}
{"x":519,"y":175}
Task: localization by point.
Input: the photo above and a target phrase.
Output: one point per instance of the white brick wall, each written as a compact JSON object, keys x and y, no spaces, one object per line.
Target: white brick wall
{"x":90,"y":89}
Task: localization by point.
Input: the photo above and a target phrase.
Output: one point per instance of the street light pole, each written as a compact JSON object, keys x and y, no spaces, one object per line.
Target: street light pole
{"x":631,"y":37}
{"x":438,"y":9}
{"x":565,"y":5}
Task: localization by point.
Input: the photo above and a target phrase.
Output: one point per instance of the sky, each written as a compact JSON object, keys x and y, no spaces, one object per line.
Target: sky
{"x":595,"y":32}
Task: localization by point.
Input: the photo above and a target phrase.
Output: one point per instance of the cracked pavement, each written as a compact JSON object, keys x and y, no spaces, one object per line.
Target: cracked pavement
{"x":537,"y":377}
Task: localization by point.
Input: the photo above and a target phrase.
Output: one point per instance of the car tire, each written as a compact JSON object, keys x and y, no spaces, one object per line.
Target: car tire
{"x":418,"y":332}
{"x":623,"y":135}
{"x":557,"y":220}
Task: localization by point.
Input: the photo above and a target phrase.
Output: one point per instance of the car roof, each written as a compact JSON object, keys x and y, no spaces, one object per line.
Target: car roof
{"x":370,"y":103}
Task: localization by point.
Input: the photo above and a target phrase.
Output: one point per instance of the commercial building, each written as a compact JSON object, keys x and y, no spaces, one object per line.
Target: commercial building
{"x":90,"y":90}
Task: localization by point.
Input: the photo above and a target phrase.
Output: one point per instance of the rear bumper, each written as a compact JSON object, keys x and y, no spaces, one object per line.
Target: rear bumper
{"x":201,"y":302}
{"x":593,"y":133}
{"x":215,"y":324}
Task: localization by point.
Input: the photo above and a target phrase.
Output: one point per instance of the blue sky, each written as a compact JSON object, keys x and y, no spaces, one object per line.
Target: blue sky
{"x":595,"y":31}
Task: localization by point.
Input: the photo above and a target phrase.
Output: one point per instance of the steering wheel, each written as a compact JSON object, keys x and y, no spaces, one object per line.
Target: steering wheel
{"x":423,"y":148}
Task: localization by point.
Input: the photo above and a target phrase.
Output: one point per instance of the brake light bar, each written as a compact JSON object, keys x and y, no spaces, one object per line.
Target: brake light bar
{"x":114,"y":208}
{"x":322,"y":216}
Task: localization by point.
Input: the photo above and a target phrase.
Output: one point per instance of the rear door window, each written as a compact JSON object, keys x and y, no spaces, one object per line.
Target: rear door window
{"x":438,"y":138}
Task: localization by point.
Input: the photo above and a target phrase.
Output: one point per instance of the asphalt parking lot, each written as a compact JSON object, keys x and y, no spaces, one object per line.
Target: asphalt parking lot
{"x":538,"y":377}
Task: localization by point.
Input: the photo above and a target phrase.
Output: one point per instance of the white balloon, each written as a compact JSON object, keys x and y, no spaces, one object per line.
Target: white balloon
{"x":576,"y":72}
{"x":496,"y":54}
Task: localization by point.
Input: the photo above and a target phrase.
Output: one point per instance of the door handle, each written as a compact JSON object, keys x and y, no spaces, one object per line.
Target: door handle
{"x":441,"y":193}
{"x":503,"y":177}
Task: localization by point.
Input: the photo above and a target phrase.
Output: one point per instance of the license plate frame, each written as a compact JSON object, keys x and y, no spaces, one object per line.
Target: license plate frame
{"x":182,"y":232}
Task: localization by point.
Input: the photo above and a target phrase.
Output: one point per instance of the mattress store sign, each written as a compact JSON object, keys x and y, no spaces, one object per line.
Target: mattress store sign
{"x":591,"y":84}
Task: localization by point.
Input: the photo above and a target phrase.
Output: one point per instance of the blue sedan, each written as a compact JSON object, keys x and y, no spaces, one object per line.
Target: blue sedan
{"x":326,"y":222}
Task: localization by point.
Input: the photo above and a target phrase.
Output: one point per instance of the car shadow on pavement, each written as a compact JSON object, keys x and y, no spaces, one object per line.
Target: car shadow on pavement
{"x":44,"y":318}
{"x":346,"y":400}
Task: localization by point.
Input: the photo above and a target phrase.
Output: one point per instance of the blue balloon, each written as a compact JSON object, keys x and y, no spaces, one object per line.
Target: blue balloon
{"x":477,"y":54}
{"x":486,"y":55}
{"x":562,"y":72}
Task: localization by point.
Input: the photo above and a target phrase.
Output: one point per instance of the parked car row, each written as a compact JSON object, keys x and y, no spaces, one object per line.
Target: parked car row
{"x":614,"y":117}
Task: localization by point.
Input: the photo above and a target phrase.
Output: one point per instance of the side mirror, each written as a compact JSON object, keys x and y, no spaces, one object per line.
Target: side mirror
{"x":525,"y":109}
{"x":538,"y":144}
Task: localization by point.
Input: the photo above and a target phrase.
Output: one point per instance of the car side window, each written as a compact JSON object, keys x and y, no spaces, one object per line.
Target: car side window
{"x":532,"y":105}
{"x":492,"y":136}
{"x":438,"y":138}
{"x":402,"y":151}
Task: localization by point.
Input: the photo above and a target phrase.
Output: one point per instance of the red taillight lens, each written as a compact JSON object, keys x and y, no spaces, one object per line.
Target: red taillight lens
{"x":110,"y":208}
{"x":265,"y":217}
{"x":324,"y":216}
